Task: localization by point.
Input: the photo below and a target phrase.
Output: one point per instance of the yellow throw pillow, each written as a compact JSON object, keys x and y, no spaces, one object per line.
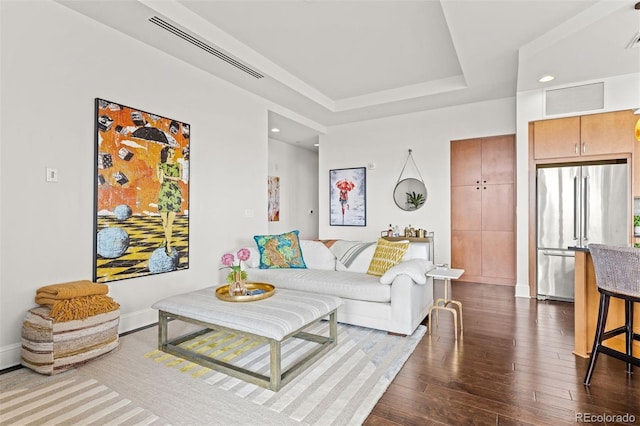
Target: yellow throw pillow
{"x":387,"y":255}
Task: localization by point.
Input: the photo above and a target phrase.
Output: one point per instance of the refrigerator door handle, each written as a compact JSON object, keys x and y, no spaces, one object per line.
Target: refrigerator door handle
{"x":576,"y":208}
{"x":585,"y":208}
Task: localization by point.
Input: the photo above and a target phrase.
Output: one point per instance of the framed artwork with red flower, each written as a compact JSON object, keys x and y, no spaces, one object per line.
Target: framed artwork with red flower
{"x":141,"y":205}
{"x":347,"y":197}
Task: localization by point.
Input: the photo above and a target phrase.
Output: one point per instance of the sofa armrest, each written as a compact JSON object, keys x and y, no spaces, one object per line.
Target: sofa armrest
{"x":413,"y":268}
{"x":410,"y":303}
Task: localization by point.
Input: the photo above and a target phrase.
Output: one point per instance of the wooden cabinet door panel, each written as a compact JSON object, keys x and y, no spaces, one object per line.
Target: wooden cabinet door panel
{"x":481,"y":208}
{"x":498,"y":159}
{"x":466,"y":208}
{"x":466,"y":251}
{"x":556,"y":138}
{"x":466,"y":157}
{"x":607,"y":133}
{"x":498,"y":254}
{"x":498,"y":208}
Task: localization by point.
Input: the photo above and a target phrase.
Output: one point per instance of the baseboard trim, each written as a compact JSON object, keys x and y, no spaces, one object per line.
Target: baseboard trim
{"x":10,"y":354}
{"x":136,"y":320}
{"x":522,"y":291}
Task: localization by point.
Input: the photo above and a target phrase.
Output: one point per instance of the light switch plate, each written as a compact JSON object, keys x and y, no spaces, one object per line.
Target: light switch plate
{"x":52,"y":174}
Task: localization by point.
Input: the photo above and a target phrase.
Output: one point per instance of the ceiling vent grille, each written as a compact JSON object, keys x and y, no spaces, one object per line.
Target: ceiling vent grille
{"x":204,"y":46}
{"x":587,"y":97}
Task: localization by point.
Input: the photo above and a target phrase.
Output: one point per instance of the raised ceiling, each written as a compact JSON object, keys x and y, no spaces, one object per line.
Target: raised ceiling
{"x":334,"y":62}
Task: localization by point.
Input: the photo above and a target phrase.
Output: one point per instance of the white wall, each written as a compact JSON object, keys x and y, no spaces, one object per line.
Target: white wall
{"x":386,"y":142}
{"x":297,"y":169}
{"x":54,"y":63}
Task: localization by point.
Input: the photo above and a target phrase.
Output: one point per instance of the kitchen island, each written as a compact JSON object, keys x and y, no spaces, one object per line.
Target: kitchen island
{"x":587,"y":299}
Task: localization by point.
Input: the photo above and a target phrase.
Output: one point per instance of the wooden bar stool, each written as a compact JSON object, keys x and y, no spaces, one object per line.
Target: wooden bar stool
{"x":617,"y":272}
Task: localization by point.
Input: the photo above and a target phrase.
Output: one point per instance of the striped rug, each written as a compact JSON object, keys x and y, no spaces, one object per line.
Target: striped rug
{"x":71,"y":401}
{"x":340,"y":388}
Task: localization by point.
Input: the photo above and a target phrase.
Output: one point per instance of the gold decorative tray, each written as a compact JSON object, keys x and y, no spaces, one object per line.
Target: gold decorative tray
{"x":222,"y":292}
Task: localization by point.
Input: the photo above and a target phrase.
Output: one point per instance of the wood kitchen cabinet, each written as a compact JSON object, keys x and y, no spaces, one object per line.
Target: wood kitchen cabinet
{"x":636,"y":160}
{"x":586,"y":135}
{"x":483,"y":209}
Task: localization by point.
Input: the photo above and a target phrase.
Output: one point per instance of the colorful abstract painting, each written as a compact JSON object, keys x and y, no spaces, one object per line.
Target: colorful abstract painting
{"x":347,"y":195}
{"x":142,"y":193}
{"x":274,"y":198}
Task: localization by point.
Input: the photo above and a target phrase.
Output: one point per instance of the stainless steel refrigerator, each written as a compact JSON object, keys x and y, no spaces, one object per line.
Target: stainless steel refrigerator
{"x":577,"y":205}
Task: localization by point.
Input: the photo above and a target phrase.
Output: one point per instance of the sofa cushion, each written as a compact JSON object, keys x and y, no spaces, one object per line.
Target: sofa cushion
{"x":418,"y":251}
{"x":348,"y":285}
{"x":317,"y":255}
{"x":360,"y":262}
{"x":280,"y":251}
{"x":386,"y":255}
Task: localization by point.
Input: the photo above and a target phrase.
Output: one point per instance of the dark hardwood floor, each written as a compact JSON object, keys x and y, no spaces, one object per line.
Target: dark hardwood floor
{"x":513,"y":365}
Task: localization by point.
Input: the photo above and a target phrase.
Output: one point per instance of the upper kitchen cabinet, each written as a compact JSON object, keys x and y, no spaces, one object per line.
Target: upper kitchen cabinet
{"x":607,"y":133}
{"x":556,"y":138}
{"x":636,"y":169}
{"x":588,"y":135}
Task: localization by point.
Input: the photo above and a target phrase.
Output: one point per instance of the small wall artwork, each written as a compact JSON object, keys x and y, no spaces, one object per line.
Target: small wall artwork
{"x":142,"y":193}
{"x":274,"y":198}
{"x":347,"y":195}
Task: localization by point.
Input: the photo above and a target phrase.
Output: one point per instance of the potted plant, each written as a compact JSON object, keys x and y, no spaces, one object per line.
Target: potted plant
{"x":636,"y":224}
{"x":415,"y":200}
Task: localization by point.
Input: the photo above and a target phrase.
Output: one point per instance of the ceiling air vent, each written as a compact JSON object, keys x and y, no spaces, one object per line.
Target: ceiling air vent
{"x":587,"y":97}
{"x":204,"y":46}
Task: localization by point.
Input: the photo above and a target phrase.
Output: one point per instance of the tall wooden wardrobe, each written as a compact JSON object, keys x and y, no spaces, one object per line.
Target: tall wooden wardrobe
{"x":483,"y":199}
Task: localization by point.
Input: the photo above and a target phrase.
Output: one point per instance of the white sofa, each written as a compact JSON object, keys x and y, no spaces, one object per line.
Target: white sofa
{"x":396,"y":302}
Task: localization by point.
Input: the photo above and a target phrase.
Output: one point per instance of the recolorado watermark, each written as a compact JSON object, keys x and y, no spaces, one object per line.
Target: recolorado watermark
{"x":605,"y":418}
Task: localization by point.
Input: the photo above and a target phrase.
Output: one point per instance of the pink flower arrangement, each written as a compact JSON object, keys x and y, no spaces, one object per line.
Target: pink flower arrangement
{"x":229,"y":261}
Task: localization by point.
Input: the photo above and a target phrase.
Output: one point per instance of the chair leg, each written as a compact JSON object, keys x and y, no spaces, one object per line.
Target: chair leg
{"x":603,"y":310}
{"x":628,"y":318}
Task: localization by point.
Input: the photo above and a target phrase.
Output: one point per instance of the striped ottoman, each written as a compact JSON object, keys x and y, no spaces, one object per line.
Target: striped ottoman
{"x":50,"y":347}
{"x":283,"y":316}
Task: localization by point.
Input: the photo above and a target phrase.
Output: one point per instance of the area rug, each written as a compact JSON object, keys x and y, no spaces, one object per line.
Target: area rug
{"x":70,"y":401}
{"x":341,"y":388}
{"x":138,"y":385}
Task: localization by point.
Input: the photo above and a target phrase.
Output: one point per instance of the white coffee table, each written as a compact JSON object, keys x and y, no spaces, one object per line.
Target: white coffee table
{"x":441,"y":303}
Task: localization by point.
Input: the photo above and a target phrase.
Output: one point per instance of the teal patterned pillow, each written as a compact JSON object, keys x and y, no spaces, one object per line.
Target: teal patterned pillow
{"x":280,"y":251}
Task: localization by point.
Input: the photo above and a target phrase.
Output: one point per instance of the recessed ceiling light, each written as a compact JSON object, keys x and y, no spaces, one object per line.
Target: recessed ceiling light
{"x":546,"y":78}
{"x":316,"y":144}
{"x":275,"y":130}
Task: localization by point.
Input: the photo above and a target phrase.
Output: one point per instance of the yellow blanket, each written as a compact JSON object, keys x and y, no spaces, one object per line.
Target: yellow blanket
{"x":80,"y":308}
{"x":70,"y":290}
